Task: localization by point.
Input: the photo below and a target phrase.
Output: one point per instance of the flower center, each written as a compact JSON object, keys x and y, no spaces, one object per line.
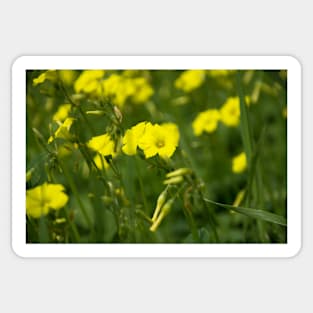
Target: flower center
{"x":160,"y":143}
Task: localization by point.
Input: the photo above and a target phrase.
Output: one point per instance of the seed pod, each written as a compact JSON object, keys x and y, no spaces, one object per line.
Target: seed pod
{"x":173,"y":180}
{"x":160,"y":201}
{"x":179,"y":172}
{"x":165,"y":210}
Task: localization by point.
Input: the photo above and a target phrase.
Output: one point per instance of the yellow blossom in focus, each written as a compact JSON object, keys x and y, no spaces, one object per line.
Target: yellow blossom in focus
{"x":41,"y":199}
{"x":132,"y":137}
{"x":190,"y":80}
{"x":63,"y":131}
{"x":88,"y":81}
{"x":102,"y":144}
{"x":206,"y":121}
{"x":47,"y":75}
{"x":159,"y":139}
{"x":239,"y":163}
{"x":62,"y":113}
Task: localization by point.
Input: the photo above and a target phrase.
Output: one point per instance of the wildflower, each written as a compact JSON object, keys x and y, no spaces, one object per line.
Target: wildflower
{"x":88,"y":81}
{"x":230,"y":112}
{"x":62,"y":113}
{"x":67,"y":76}
{"x":41,"y":199}
{"x":239,"y":163}
{"x":132,"y":137}
{"x":206,"y":121}
{"x":219,"y":73}
{"x":120,"y":89}
{"x":47,"y":75}
{"x":102,"y":144}
{"x":143,"y":91}
{"x":63,"y":131}
{"x":159,"y":139}
{"x":190,"y":80}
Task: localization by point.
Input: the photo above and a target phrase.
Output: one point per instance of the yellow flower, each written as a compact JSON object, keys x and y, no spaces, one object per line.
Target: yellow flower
{"x":67,"y":76}
{"x":206,"y":121}
{"x":190,"y":80}
{"x":230,"y":112}
{"x":143,"y":91}
{"x":219,"y":73}
{"x":159,"y":139}
{"x":120,"y":88}
{"x":47,"y":75}
{"x":102,"y":144}
{"x":62,"y":113}
{"x":88,"y":81}
{"x":239,"y":163}
{"x":132,"y":137}
{"x":63,"y":131}
{"x":41,"y":199}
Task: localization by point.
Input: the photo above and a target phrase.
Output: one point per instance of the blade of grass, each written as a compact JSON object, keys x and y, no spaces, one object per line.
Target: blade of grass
{"x":253,"y":213}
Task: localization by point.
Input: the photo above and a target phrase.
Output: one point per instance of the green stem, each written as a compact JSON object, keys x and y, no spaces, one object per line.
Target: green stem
{"x":76,"y":194}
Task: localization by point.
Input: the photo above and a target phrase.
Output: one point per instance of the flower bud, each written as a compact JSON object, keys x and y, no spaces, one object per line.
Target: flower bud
{"x":160,"y":201}
{"x":173,"y":180}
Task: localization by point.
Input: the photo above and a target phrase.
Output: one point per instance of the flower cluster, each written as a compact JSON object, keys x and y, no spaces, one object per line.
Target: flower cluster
{"x":120,"y":88}
{"x":154,"y":139}
{"x":229,"y":115}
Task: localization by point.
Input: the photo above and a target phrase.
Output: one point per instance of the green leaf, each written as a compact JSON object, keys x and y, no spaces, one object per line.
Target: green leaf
{"x":254,"y":213}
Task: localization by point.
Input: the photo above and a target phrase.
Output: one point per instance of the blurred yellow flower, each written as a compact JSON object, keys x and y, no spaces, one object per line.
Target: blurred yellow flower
{"x":239,"y":163}
{"x":219,"y":73}
{"x":63,"y":131}
{"x":132,"y":137}
{"x":88,"y":81}
{"x":41,"y":199}
{"x":206,"y":121}
{"x":67,"y":76}
{"x":190,"y":80}
{"x":47,"y":75}
{"x":230,"y":112}
{"x":102,"y":144}
{"x":159,"y":139}
{"x":120,"y":88}
{"x":143,"y":91}
{"x":62,"y":113}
